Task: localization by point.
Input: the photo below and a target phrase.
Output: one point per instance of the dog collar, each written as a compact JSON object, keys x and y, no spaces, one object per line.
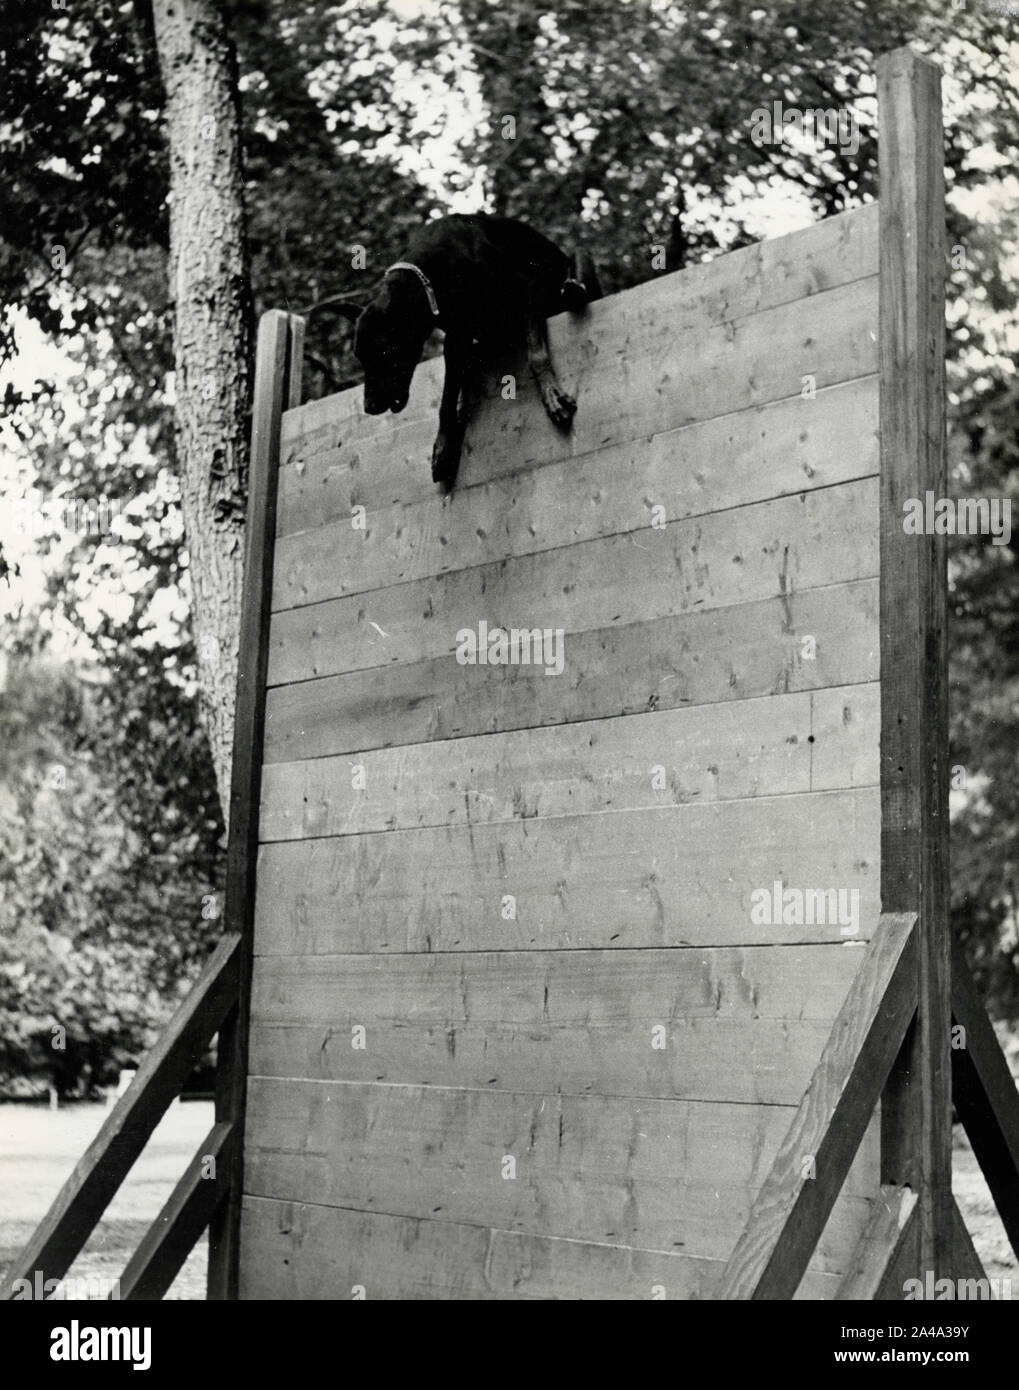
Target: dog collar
{"x":433,"y":303}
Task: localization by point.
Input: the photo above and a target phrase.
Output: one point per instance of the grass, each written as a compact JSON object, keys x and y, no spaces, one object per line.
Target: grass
{"x":38,"y":1150}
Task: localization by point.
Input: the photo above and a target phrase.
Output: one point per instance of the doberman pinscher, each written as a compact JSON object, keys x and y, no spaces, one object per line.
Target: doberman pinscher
{"x":486,"y":281}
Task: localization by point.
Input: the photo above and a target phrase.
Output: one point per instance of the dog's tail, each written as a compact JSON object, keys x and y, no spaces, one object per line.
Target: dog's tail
{"x":581,"y":284}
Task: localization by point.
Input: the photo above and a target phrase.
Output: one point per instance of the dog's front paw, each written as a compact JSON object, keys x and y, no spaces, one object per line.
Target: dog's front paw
{"x":559,"y":407}
{"x":445,"y":463}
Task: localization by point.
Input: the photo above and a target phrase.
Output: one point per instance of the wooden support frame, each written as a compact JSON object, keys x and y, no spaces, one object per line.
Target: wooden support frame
{"x":108,"y":1159}
{"x":888,"y":1252}
{"x":796,"y":1199}
{"x":986,"y":1098}
{"x":885,"y":1251}
{"x":891,"y":1041}
{"x":915,"y":1085}
{"x":218,"y":1002}
{"x":916,"y":1134}
{"x":966,"y":1263}
{"x":185,"y":1215}
{"x":278,"y":362}
{"x":916,"y":1229}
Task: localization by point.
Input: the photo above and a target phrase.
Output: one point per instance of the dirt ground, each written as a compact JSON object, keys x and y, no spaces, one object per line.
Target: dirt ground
{"x":39,"y":1148}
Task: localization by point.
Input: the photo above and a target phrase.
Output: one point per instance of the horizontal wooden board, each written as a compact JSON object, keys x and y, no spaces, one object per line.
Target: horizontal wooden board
{"x":305,"y":1251}
{"x":725,"y":1024}
{"x":671,"y":876}
{"x":631,"y":381}
{"x":809,"y":741}
{"x":774,"y":273}
{"x":641,"y":393}
{"x":659,"y":1174}
{"x":752,"y":456}
{"x":767,"y":550}
{"x":733,"y":653}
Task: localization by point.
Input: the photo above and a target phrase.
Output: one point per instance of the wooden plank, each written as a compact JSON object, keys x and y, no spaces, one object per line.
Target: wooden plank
{"x":914,"y":685}
{"x":966,"y":1263}
{"x":884,"y":1245}
{"x":310,"y":1252}
{"x":310,"y":427}
{"x":671,"y":876}
{"x":764,"y":360}
{"x":184,"y":1216}
{"x":98,"y":1174}
{"x":764,"y":551}
{"x":295,"y":363}
{"x":813,"y":261}
{"x":663,"y":1175}
{"x":801,"y":1188}
{"x":751,"y":456}
{"x":777,"y":1057}
{"x":985,"y":1097}
{"x":273,"y":358}
{"x":905,"y":1263}
{"x":734,"y":653}
{"x":803,"y":434}
{"x":661,"y":1024}
{"x":813,"y":741}
{"x":640,"y":377}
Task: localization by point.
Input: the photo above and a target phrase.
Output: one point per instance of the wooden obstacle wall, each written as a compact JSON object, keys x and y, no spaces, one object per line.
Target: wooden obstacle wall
{"x":511,"y":879}
{"x":532,"y":897}
{"x":591,"y":1067}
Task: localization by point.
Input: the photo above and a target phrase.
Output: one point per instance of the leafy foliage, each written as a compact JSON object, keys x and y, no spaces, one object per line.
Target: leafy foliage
{"x":101,"y":897}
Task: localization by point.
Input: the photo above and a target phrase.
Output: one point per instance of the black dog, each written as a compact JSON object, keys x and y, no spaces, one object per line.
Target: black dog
{"x":485,"y":281}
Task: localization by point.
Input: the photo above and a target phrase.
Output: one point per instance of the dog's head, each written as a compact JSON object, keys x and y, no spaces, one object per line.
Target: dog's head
{"x":387,"y":343}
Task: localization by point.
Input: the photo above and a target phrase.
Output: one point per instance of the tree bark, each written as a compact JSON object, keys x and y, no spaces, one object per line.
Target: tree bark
{"x":211,"y":293}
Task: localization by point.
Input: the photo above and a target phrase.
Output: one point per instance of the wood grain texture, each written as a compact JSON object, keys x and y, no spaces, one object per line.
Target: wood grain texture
{"x":527,"y":1033}
{"x":108,"y":1159}
{"x":295,"y":364}
{"x":751,"y":456}
{"x":301,"y":1251}
{"x":793,"y":1204}
{"x":639,"y":377}
{"x":274,"y":360}
{"x":813,"y":741}
{"x":734,"y":653}
{"x":884,"y":1246}
{"x":914,"y":679}
{"x":689,"y":304}
{"x":653,"y":1023}
{"x":670,"y":876}
{"x":771,"y":549}
{"x":658,"y":1174}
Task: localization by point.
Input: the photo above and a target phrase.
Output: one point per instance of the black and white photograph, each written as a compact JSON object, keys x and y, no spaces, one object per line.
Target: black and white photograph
{"x":509,"y":668}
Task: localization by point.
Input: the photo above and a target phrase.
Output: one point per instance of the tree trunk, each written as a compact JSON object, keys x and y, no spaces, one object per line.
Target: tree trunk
{"x":211,"y":293}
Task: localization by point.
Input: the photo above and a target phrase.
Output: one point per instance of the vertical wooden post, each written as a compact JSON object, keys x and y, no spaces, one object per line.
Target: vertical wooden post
{"x":274,"y":391}
{"x":916,"y":1112}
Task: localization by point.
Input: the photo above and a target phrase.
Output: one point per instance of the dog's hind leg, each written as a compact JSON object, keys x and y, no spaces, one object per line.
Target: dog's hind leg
{"x":581,"y":284}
